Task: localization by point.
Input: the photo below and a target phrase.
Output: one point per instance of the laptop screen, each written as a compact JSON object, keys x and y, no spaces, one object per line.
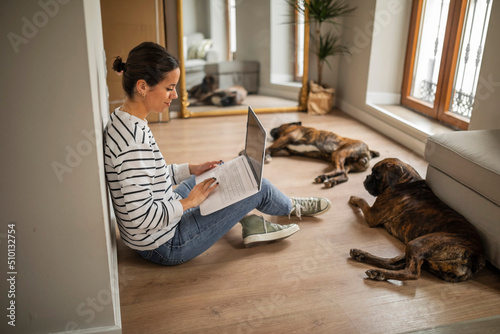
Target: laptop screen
{"x":255,"y":145}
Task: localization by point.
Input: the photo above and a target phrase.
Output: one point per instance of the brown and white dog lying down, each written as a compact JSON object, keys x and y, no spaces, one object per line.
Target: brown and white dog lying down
{"x":435,"y":235}
{"x":346,"y":155}
{"x":208,"y":85}
{"x":231,"y":96}
{"x":208,"y":93}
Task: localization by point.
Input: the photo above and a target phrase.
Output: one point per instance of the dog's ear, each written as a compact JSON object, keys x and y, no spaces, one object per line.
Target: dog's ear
{"x":215,"y":81}
{"x":209,"y":80}
{"x":298,"y":123}
{"x":401,"y":173}
{"x":394,"y":175}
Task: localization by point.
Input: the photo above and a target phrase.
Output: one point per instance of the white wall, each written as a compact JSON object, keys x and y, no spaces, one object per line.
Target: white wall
{"x":486,"y":112}
{"x":282,"y":42}
{"x":195,"y":17}
{"x":218,"y":28}
{"x":388,"y":51}
{"x":53,"y":188}
{"x":253,"y":19}
{"x":253,"y":30}
{"x":353,"y":73}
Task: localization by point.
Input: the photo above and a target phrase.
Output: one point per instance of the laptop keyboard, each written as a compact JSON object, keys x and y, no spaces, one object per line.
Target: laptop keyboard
{"x":230,"y":183}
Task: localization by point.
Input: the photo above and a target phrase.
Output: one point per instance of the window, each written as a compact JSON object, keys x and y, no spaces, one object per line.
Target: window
{"x":231,"y":28}
{"x":299,"y":45}
{"x":443,"y":58}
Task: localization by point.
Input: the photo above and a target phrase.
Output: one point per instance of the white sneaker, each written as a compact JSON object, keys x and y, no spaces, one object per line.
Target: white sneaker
{"x":309,"y":206}
{"x":257,"y":230}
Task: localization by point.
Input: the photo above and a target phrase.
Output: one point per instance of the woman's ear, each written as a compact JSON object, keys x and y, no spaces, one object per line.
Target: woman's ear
{"x":141,"y":87}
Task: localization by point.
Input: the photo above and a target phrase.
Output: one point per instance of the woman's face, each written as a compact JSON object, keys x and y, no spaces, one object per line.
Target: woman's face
{"x":160,"y":96}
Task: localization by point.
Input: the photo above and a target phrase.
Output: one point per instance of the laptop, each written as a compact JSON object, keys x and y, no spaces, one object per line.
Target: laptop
{"x":240,"y":177}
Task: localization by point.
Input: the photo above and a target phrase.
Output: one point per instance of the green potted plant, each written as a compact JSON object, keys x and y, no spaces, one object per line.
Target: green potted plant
{"x":325,"y":44}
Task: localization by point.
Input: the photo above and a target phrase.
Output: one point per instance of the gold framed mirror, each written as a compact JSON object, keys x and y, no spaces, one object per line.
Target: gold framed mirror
{"x":187,"y":110}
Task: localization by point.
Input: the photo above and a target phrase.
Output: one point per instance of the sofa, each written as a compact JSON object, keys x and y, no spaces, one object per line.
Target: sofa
{"x":198,"y":51}
{"x":464,"y":172}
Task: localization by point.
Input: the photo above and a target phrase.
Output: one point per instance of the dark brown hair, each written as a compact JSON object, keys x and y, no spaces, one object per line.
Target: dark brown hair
{"x":148,"y":61}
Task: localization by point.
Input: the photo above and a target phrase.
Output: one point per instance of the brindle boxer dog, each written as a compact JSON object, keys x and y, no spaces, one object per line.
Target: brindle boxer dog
{"x":207,"y":86}
{"x":434,"y":234}
{"x":231,"y":96}
{"x":346,"y":155}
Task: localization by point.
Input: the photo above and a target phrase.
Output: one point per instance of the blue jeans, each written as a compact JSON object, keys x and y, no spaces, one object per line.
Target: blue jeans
{"x":196,"y":233}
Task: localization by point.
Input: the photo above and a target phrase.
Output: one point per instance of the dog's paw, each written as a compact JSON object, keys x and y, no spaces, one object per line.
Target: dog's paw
{"x":354,"y":201}
{"x":329,"y":183}
{"x":268,"y":158}
{"x":375,"y":275}
{"x":357,"y":255}
{"x":319,"y":179}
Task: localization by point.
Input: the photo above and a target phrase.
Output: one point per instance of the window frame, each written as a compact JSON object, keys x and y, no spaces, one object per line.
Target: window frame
{"x":297,"y":47}
{"x":447,"y":69}
{"x":229,"y":23}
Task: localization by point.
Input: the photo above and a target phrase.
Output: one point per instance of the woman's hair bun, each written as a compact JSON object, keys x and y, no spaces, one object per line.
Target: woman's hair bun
{"x":147,"y":61}
{"x":118,"y":64}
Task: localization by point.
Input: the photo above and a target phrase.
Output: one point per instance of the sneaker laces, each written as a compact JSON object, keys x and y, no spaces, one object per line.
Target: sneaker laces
{"x":306,"y":204}
{"x":298,"y":211}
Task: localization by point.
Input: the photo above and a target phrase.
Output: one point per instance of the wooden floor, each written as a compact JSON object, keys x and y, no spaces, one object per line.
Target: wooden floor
{"x":306,"y":283}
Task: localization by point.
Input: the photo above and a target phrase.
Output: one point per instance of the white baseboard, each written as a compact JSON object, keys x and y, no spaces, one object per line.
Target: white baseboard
{"x":96,"y":330}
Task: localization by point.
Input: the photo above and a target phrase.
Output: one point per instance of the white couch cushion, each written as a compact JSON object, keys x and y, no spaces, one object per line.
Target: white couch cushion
{"x":483,"y":214}
{"x":470,"y":157}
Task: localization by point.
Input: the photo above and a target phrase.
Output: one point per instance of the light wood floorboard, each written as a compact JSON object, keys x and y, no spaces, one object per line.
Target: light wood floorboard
{"x":306,"y":283}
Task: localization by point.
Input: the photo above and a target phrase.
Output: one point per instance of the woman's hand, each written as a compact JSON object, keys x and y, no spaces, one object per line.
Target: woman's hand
{"x":199,"y":193}
{"x":202,"y":168}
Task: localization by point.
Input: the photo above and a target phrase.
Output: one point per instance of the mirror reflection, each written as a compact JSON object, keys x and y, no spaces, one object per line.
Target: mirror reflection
{"x":238,"y":53}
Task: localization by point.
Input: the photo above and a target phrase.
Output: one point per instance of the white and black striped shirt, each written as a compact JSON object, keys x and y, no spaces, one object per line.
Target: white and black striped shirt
{"x":140,"y":182}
